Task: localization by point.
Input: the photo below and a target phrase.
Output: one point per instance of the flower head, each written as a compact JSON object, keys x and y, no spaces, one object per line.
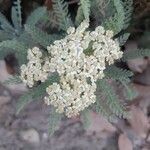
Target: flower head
{"x":36,"y":69}
{"x":80,"y":56}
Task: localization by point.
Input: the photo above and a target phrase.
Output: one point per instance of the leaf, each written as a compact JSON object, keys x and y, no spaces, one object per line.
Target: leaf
{"x":79,"y":17}
{"x":14,"y":46}
{"x":112,"y":99}
{"x":116,"y":21}
{"x":39,"y":36}
{"x":128,"y":9}
{"x":35,"y":93}
{"x":117,"y":73}
{"x":5,"y":25}
{"x":26,"y":39}
{"x":36,"y":15}
{"x":16,"y":15}
{"x":13,"y":80}
{"x":112,"y":24}
{"x":138,"y":53}
{"x":86,"y":118}
{"x":102,"y":108}
{"x":85,"y":5}
{"x":129,"y":93}
{"x":122,"y":39}
{"x":54,"y":121}
{"x":5,"y":35}
{"x":60,"y":9}
{"x":120,"y":14}
{"x":101,"y":9}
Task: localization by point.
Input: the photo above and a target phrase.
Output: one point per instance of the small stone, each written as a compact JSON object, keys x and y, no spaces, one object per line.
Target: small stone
{"x":100,"y":126}
{"x":124,"y":143}
{"x":31,"y":136}
{"x":6,"y":93}
{"x":45,"y":137}
{"x":139,"y":121}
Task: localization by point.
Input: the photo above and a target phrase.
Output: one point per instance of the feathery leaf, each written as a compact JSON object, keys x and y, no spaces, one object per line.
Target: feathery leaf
{"x":86,"y":118}
{"x":54,"y":121}
{"x":122,"y":39}
{"x":16,"y":14}
{"x":5,"y":25}
{"x":38,"y":35}
{"x":36,"y":15}
{"x":79,"y":17}
{"x":13,"y":80}
{"x":117,"y":73}
{"x":14,"y":46}
{"x":138,"y":53}
{"x":111,"y":98}
{"x":60,"y":9}
{"x":128,"y":9}
{"x":36,"y":92}
{"x":85,"y":5}
{"x":129,"y":92}
{"x":5,"y":35}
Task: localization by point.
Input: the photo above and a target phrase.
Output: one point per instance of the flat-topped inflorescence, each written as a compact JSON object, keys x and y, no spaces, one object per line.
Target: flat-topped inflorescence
{"x":80,"y":59}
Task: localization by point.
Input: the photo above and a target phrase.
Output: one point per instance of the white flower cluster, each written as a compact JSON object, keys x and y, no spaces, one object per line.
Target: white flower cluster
{"x":81,"y":55}
{"x":71,"y":95}
{"x":37,"y":68}
{"x":80,"y":59}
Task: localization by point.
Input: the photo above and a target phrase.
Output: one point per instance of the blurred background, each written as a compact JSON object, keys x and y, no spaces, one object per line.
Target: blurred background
{"x":29,"y":129}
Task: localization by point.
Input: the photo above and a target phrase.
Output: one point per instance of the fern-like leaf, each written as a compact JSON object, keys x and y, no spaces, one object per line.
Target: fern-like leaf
{"x":116,"y":21}
{"x":85,"y":5}
{"x":79,"y":17}
{"x":112,"y":24}
{"x":123,"y":77}
{"x":112,"y":99}
{"x":129,"y":92}
{"x":128,"y":9}
{"x":52,"y":20}
{"x":138,"y":53}
{"x":17,"y":15}
{"x":86,"y":118}
{"x":26,"y":39}
{"x":14,"y":46}
{"x":5,"y":25}
{"x":120,"y":14}
{"x":40,"y":36}
{"x":54,"y":121}
{"x":36,"y":15}
{"x":113,"y":72}
{"x":101,"y":9}
{"x":60,"y":9}
{"x":36,"y":92}
{"x":102,"y":108}
{"x":13,"y":80}
{"x":5,"y":35}
{"x":122,"y":39}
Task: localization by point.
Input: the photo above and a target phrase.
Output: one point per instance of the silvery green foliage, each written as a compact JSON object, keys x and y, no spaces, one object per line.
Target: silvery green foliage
{"x":114,"y":15}
{"x":13,"y":37}
{"x":60,"y":9}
